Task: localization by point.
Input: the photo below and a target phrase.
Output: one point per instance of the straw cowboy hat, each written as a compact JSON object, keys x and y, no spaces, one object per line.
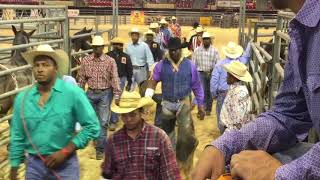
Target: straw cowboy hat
{"x":59,"y":56}
{"x":238,"y":70}
{"x":134,"y":30}
{"x":232,"y":50}
{"x":130,"y":101}
{"x":154,"y":26}
{"x":117,"y":40}
{"x":150,"y":32}
{"x":173,"y":17}
{"x":163,"y":21}
{"x":98,"y":41}
{"x":199,"y":29}
{"x":207,"y":35}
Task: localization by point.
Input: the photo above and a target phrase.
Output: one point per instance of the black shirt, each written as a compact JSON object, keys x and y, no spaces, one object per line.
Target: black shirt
{"x":124,"y":64}
{"x":156,"y":51}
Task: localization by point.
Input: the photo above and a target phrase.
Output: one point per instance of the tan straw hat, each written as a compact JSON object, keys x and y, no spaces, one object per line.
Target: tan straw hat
{"x":98,"y":41}
{"x":154,"y":26}
{"x":59,"y":56}
{"x":207,"y":35}
{"x":117,"y":40}
{"x":134,"y":30}
{"x":232,"y":50}
{"x":173,"y":17}
{"x":163,"y":21}
{"x":238,"y":70}
{"x":150,"y":32}
{"x":130,"y":101}
{"x":199,"y":29}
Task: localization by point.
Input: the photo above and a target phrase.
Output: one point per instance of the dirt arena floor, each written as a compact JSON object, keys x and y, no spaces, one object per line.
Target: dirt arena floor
{"x":206,"y":130}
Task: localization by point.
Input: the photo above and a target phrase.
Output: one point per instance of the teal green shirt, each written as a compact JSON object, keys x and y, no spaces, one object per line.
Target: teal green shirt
{"x":51,"y":127}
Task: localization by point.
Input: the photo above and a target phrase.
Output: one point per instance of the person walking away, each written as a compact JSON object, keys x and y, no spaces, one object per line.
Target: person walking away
{"x":175,"y":27}
{"x":50,"y":153}
{"x":205,"y":57}
{"x":156,"y":29}
{"x":196,"y":40}
{"x":141,"y":57}
{"x":165,"y":34}
{"x":218,"y":83}
{"x":125,"y":71}
{"x":193,"y":30}
{"x":154,"y":46}
{"x":99,"y":71}
{"x":235,"y":111}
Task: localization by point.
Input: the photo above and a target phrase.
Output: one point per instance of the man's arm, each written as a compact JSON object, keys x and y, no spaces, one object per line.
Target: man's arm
{"x":129,"y":71}
{"x":196,"y":85}
{"x":214,"y":81}
{"x":149,"y":56}
{"x":152,"y":83}
{"x":246,"y":55}
{"x":115,"y":81}
{"x":82,"y":75}
{"x":108,"y":163}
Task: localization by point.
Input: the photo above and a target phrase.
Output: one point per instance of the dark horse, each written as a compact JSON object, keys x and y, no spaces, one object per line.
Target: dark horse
{"x":78,"y":44}
{"x":18,"y":79}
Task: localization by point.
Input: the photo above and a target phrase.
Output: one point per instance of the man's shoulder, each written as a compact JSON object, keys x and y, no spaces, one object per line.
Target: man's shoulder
{"x":157,"y":131}
{"x":222,"y":62}
{"x":87,"y":58}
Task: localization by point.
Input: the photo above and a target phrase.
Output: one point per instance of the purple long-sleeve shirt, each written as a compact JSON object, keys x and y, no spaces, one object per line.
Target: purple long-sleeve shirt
{"x":195,"y":80}
{"x":296,"y":107}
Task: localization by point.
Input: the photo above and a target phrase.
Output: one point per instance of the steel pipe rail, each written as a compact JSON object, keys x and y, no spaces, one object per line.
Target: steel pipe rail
{"x":286,"y":15}
{"x":264,"y":52}
{"x":12,"y":70}
{"x":283,"y":35}
{"x":32,"y":20}
{"x":31,"y":44}
{"x":81,"y":52}
{"x":279,"y":69}
{"x":257,"y":53}
{"x":10,"y":93}
{"x":11,"y":6}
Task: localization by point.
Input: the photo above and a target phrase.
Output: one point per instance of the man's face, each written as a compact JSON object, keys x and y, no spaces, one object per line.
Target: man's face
{"x":200,"y":34}
{"x":97,"y":50}
{"x":206,"y":42}
{"x":117,"y":47}
{"x":149,"y":37}
{"x":132,"y":120}
{"x":44,"y":69}
{"x":231,"y":79}
{"x":175,"y":54}
{"x":174,"y":21}
{"x":281,"y":4}
{"x":135,"y":37}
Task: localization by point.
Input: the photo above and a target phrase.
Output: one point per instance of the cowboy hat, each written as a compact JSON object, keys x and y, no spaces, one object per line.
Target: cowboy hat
{"x":130,"y":101}
{"x":173,"y":17}
{"x":186,"y":53}
{"x":207,"y":35}
{"x":154,"y":26}
{"x":59,"y":56}
{"x":98,"y":41}
{"x":117,"y":40}
{"x":199,"y":29}
{"x":163,"y":21}
{"x":238,"y":70}
{"x":134,"y":30}
{"x":174,"y":43}
{"x":150,"y":32}
{"x":232,"y":50}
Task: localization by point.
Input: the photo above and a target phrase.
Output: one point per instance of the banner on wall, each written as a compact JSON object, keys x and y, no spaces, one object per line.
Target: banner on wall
{"x":73,"y":12}
{"x":137,"y":17}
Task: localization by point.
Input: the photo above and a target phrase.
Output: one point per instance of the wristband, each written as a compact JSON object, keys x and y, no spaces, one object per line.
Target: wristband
{"x":65,"y":152}
{"x":149,"y":92}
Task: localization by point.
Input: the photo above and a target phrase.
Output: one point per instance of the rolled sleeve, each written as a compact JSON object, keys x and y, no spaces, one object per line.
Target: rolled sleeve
{"x":157,"y":72}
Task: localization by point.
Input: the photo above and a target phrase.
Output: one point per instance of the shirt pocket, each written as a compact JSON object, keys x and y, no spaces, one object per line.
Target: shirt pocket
{"x":62,"y":120}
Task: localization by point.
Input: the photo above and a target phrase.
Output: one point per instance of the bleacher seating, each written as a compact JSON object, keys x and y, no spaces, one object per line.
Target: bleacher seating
{"x":184,"y":4}
{"x":29,"y":2}
{"x":108,"y":3}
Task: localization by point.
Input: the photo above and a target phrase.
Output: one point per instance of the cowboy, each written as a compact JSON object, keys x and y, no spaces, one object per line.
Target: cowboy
{"x":175,"y":27}
{"x":154,"y":46}
{"x":44,"y":119}
{"x":141,"y":57}
{"x":196,"y":40}
{"x":165,"y":34}
{"x":125,"y":71}
{"x":205,"y":57}
{"x":179,"y":77}
{"x":193,"y":30}
{"x":218,"y":83}
{"x":237,"y":104}
{"x":155,"y":28}
{"x":138,"y":151}
{"x":99,"y":71}
{"x":281,"y":129}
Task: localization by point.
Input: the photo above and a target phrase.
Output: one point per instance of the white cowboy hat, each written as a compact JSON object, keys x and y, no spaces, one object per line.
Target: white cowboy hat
{"x":199,"y":29}
{"x":173,"y":17}
{"x":134,"y":30}
{"x":150,"y":32}
{"x":59,"y":56}
{"x":238,"y":70}
{"x":130,"y":101}
{"x":232,"y":50}
{"x":97,"y":41}
{"x":117,"y":40}
{"x":207,"y":35}
{"x":163,"y":21}
{"x":154,"y":26}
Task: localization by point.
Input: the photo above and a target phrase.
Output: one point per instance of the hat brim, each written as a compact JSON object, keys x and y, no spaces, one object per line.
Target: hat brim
{"x":246,"y":78}
{"x":134,"y":32}
{"x":153,"y":34}
{"x":143,"y":102}
{"x":238,"y":53}
{"x":59,"y":56}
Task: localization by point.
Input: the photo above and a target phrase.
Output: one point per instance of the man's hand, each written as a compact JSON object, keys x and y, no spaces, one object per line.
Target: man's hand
{"x":254,"y":165}
{"x":55,"y":159}
{"x":117,"y":101}
{"x":201,"y":112}
{"x":13,"y":174}
{"x":128,"y":87}
{"x":211,"y":164}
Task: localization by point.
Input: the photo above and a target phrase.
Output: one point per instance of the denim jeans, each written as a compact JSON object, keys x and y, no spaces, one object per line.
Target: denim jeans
{"x":36,"y":170}
{"x":205,"y":82}
{"x":100,"y":102}
{"x":220,"y":100}
{"x":114,"y":117}
{"x":157,"y":98}
{"x":139,"y":75}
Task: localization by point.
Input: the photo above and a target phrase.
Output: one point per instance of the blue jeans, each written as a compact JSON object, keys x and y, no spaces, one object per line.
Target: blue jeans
{"x":157,"y":98}
{"x":205,"y":82}
{"x":139,"y":75}
{"x":100,"y":102}
{"x":114,"y":117}
{"x":220,"y":100}
{"x":36,"y":170}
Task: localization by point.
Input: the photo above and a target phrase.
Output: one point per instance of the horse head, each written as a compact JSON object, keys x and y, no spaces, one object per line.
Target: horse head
{"x":82,"y":42}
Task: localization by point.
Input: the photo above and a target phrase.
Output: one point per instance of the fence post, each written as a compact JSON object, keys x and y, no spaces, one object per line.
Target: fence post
{"x":66,"y":38}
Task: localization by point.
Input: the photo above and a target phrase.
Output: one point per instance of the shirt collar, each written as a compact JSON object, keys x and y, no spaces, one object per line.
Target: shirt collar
{"x":138,"y":43}
{"x":56,"y":87}
{"x":309,"y":14}
{"x":175,"y":65}
{"x":143,"y":130}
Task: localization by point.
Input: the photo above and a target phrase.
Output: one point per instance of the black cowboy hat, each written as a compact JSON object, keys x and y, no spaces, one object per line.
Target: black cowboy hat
{"x":175,"y":43}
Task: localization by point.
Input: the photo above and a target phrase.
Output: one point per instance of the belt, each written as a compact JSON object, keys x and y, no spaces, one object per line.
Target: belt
{"x":175,"y":101}
{"x":46,"y":155}
{"x":138,"y":67}
{"x":97,"y":90}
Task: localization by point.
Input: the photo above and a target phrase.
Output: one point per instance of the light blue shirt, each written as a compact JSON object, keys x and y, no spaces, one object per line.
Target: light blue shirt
{"x":218,"y":80}
{"x":140,"y":54}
